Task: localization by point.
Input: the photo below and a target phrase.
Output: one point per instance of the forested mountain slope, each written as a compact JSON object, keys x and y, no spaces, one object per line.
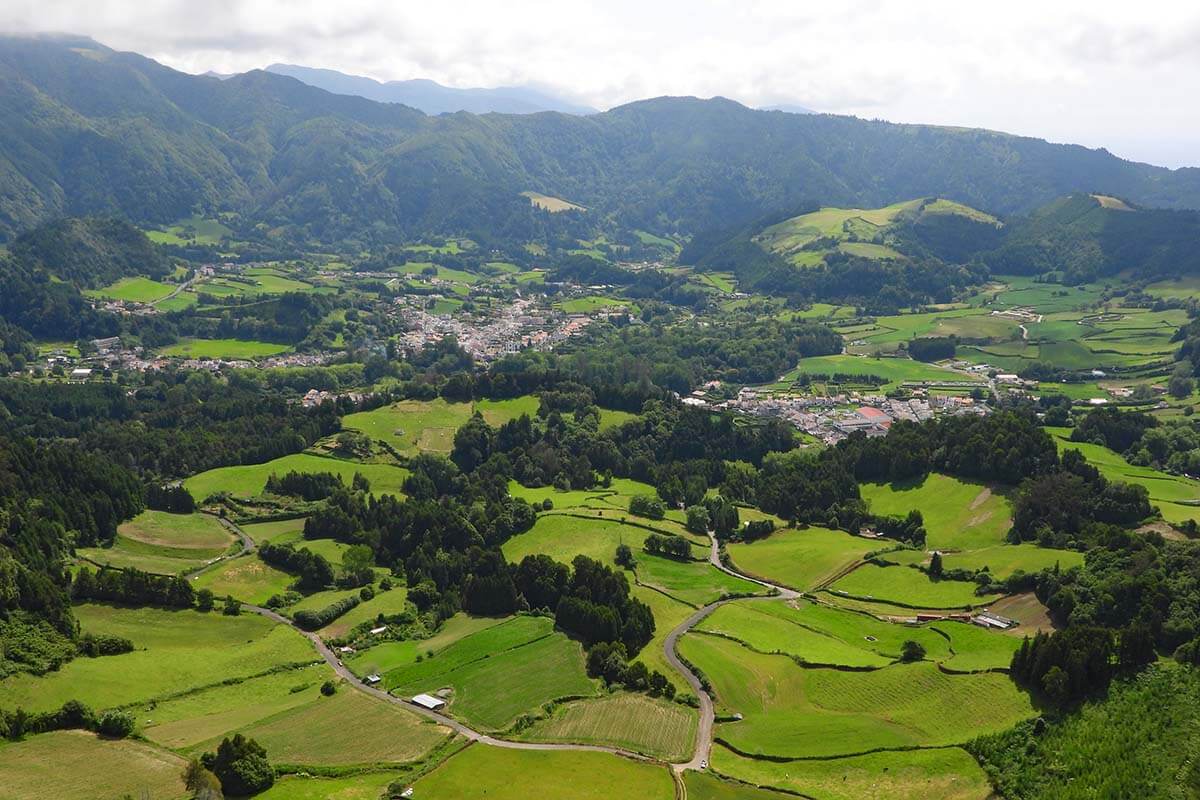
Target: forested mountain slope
{"x":85,"y":129}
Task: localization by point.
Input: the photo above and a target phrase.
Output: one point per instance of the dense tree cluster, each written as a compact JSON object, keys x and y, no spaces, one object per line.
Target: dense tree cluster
{"x":132,"y":587}
{"x":314,"y":619}
{"x":313,"y":572}
{"x":241,"y":765}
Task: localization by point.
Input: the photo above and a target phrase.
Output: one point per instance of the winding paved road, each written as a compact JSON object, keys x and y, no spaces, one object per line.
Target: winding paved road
{"x":704,"y":728}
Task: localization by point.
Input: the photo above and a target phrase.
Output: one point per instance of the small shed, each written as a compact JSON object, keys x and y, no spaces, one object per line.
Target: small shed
{"x":379,"y":630}
{"x":372,"y":679}
{"x":429,"y":701}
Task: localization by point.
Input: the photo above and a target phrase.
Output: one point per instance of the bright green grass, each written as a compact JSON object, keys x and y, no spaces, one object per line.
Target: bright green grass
{"x":500,"y":774}
{"x":390,"y":602}
{"x":976,"y":648}
{"x":317,"y":733}
{"x":500,"y":672}
{"x":223,"y":348}
{"x":363,"y":786}
{"x":1169,"y":492}
{"x":179,"y":302}
{"x":185,"y":531}
{"x":611,"y":418}
{"x":250,"y":480}
{"x":708,"y":786}
{"x":136,"y":290}
{"x":393,"y":655}
{"x":76,"y":765}
{"x":657,"y":728}
{"x":275,"y":530}
{"x":563,"y":537}
{"x":801,"y":559}
{"x":668,"y":615}
{"x":1005,"y":559}
{"x":584,"y":305}
{"x":944,"y":773}
{"x":697,"y":583}
{"x":795,"y":712}
{"x":1182,"y":288}
{"x":878,"y":252}
{"x":893,"y":370}
{"x":247,"y":578}
{"x":168,"y":544}
{"x":413,"y":425}
{"x":183,"y":722}
{"x":907,"y":586}
{"x":498,"y":412}
{"x":958,"y":515}
{"x":176,"y":650}
{"x":192,"y":229}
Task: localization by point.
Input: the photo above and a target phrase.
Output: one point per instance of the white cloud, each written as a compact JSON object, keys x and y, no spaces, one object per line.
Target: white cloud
{"x":1100,"y":73}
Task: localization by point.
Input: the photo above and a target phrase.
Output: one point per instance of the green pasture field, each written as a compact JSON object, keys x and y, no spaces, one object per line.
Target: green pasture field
{"x":168,"y":544}
{"x":819,"y":634}
{"x":1045,"y":298}
{"x":696,"y":583}
{"x":450,"y":247}
{"x":790,"y":711}
{"x":563,"y":537}
{"x":1005,"y":559}
{"x":708,"y":786}
{"x":179,"y":302}
{"x":250,"y":480}
{"x":959,"y":515}
{"x":584,"y":305}
{"x":827,"y":635}
{"x":192,"y":229}
{"x":502,"y":774}
{"x":393,"y":601}
{"x":329,"y":549}
{"x":175,"y":651}
{"x":947,"y":773}
{"x":183,"y":722}
{"x":829,"y":222}
{"x":657,"y":728}
{"x":908,"y":586}
{"x":277,"y":531}
{"x":359,"y":786}
{"x":894,"y":370}
{"x":721,"y":281}
{"x":135,"y":290}
{"x":76,"y":765}
{"x":801,"y":559}
{"x":1182,"y":287}
{"x":413,"y":425}
{"x":318,"y":732}
{"x":235,"y":349}
{"x":976,"y":648}
{"x":878,"y":252}
{"x":200,"y":532}
{"x":668,"y":615}
{"x":498,"y":412}
{"x":1171,"y":493}
{"x":649,"y":238}
{"x":499,"y":673}
{"x":247,"y":578}
{"x":392,"y":655}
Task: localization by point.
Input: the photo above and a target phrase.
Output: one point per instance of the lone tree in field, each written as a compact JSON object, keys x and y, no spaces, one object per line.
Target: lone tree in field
{"x":241,"y":766}
{"x":935,"y":565}
{"x":911,"y":651}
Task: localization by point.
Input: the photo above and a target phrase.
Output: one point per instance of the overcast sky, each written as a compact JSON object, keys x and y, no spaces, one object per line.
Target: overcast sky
{"x":1122,"y":75}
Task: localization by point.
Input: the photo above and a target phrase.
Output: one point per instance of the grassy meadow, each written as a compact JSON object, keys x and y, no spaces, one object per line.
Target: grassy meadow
{"x":500,"y":774}
{"x":233,"y":349}
{"x":906,"y":586}
{"x":801,"y":559}
{"x":250,"y":480}
{"x":525,"y":655}
{"x":76,"y":765}
{"x":657,"y":728}
{"x":174,"y":651}
{"x":789,"y":711}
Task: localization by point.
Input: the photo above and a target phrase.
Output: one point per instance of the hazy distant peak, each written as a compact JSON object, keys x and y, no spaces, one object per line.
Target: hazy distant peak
{"x":430,"y":96}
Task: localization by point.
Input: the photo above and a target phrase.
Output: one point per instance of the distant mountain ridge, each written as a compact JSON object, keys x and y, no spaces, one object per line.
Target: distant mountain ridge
{"x":85,"y":129}
{"x":431,"y":97}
